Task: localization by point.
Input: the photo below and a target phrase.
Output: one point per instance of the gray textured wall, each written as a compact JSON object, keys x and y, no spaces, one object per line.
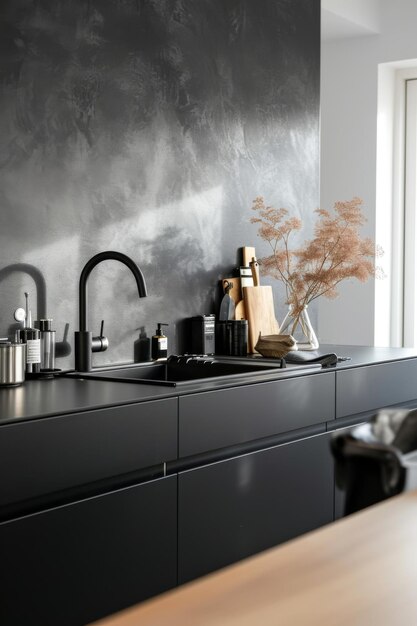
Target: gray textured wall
{"x":148,"y":127}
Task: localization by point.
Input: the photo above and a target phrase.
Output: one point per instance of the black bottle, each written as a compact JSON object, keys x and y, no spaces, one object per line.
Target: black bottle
{"x":160,"y":343}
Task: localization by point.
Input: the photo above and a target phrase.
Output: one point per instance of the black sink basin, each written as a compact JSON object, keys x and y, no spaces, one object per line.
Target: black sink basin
{"x":183,"y":370}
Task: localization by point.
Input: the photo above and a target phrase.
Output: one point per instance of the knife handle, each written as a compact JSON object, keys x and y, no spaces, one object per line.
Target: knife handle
{"x":254,"y":265}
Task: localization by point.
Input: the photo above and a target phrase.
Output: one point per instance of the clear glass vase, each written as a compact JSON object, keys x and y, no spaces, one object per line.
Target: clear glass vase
{"x":300,"y":328}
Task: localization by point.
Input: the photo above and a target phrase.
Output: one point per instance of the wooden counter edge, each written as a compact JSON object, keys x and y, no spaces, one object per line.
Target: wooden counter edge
{"x":359,"y":570}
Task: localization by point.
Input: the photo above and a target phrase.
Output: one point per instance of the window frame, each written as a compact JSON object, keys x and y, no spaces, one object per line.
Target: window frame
{"x":395,"y":312}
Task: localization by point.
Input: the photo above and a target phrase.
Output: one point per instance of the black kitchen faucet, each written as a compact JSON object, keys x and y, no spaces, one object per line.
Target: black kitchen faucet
{"x":85,"y":343}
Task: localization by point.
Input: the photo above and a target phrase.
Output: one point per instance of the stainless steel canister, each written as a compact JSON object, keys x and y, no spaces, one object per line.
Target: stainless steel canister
{"x":47,"y":336}
{"x":12,"y":363}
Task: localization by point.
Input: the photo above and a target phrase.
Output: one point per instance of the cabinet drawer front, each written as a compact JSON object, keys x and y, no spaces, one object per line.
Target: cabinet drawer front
{"x":47,"y":455}
{"x":232,"y":509}
{"x":375,"y":386}
{"x":77,"y":563}
{"x":213,"y":420}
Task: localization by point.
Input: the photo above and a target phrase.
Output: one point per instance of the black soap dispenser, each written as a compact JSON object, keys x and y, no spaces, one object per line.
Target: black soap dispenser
{"x":142,"y":347}
{"x":160,"y":343}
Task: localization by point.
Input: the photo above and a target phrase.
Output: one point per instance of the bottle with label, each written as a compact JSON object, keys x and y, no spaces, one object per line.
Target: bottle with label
{"x":160,"y":343}
{"x":31,"y":337}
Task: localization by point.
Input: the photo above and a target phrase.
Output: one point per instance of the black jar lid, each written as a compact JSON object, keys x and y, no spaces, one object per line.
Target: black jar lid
{"x":45,"y":324}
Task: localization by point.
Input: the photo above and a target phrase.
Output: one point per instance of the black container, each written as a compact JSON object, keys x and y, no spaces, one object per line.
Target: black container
{"x":239,"y":343}
{"x":223,"y":338}
{"x":203,"y":339}
{"x":232,"y":338}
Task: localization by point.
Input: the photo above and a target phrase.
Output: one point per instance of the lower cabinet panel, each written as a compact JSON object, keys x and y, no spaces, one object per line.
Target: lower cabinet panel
{"x":235,"y":508}
{"x":76,"y":563}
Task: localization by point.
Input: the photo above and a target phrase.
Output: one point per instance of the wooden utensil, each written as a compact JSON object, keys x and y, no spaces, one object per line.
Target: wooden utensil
{"x":254,"y":265}
{"x":260,"y":313}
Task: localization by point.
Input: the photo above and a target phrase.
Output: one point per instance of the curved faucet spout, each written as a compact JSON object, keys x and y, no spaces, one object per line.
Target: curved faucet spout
{"x":90,"y":265}
{"x":84,"y":342}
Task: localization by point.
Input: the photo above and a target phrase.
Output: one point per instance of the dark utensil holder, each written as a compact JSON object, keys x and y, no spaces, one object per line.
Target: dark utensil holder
{"x":232,"y":338}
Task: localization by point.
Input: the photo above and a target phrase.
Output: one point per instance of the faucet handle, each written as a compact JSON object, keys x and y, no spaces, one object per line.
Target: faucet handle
{"x":100,"y":343}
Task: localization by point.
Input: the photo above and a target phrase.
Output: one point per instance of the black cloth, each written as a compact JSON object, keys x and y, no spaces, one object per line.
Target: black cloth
{"x":370,"y":462}
{"x":311,"y":356}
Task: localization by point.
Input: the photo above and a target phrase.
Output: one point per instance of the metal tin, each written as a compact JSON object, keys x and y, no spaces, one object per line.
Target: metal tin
{"x":12,"y":363}
{"x":47,"y":336}
{"x":202,"y":334}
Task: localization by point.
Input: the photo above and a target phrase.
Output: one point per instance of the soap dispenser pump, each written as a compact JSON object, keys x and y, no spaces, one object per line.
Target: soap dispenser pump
{"x":160,"y":343}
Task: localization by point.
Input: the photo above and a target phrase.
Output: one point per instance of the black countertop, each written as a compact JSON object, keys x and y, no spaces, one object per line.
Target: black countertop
{"x":45,"y":398}
{"x":365,"y":355}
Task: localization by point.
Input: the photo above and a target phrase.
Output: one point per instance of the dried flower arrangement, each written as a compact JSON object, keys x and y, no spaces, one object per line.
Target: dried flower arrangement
{"x":335,"y":253}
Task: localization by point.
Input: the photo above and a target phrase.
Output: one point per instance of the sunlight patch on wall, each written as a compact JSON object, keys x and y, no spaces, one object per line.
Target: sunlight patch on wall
{"x":200,"y":217}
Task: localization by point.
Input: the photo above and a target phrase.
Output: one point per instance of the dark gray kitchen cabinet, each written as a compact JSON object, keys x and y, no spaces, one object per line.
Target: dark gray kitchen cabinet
{"x":227,"y":417}
{"x":372,"y":387}
{"x":49,"y":455}
{"x":83,"y":535}
{"x":235,"y":508}
{"x":73,"y":564}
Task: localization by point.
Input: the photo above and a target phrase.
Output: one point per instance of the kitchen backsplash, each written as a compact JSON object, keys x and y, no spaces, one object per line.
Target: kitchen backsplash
{"x":148,"y":127}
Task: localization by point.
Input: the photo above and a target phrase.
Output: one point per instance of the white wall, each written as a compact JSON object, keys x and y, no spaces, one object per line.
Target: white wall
{"x":349,"y":17}
{"x":349,"y":98}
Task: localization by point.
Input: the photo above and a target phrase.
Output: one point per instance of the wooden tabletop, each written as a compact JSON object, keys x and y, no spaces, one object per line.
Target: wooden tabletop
{"x":361,"y":570}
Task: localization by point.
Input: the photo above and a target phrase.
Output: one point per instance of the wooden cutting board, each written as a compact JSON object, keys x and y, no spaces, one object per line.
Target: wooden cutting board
{"x":260,"y":313}
{"x":248,"y":252}
{"x":240,"y":311}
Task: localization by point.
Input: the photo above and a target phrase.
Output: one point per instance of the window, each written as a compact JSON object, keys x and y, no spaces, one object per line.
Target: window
{"x":410,"y":215}
{"x":396,"y":200}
